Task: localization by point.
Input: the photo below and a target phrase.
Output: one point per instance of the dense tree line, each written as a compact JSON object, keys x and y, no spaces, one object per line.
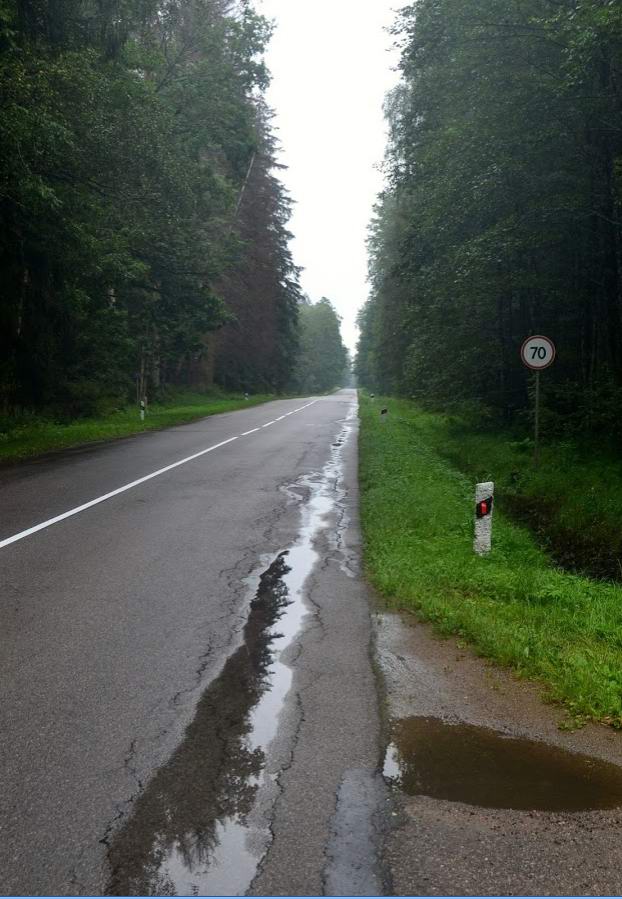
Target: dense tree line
{"x":502,"y":215}
{"x":324,"y":361}
{"x":136,"y":174}
{"x":258,"y":348}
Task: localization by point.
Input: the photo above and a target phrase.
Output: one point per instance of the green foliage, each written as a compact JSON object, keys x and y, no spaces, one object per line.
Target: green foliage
{"x":323,"y":360}
{"x":258,"y":349}
{"x":572,"y":499}
{"x":512,"y":606}
{"x":502,"y":215}
{"x":30,"y":434}
{"x":126,"y":132}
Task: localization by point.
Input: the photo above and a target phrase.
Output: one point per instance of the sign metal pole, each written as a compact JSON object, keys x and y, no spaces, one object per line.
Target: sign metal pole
{"x":536,"y":449}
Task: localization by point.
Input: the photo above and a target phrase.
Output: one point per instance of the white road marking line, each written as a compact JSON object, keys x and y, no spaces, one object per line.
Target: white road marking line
{"x":148,"y":477}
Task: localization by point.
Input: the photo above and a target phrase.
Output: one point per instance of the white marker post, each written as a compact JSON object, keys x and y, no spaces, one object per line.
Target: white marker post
{"x":537,"y":353}
{"x":484,"y":500}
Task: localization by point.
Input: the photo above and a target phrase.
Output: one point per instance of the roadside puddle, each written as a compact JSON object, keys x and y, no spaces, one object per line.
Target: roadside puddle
{"x":190,"y":830}
{"x":482,"y":767}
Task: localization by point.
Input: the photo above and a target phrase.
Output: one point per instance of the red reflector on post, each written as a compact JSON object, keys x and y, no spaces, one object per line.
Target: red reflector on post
{"x":483,"y":508}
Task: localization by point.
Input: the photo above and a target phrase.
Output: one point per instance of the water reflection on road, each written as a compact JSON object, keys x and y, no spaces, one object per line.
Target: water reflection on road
{"x":189,"y":830}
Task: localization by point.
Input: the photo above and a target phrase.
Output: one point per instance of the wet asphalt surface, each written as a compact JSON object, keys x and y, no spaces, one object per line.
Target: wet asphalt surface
{"x":188,"y":695}
{"x":197,"y":701}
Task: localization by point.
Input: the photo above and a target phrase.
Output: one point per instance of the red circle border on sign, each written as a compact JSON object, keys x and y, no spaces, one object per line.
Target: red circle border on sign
{"x":538,"y":367}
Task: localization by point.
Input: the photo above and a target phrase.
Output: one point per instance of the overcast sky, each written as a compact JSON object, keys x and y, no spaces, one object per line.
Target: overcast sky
{"x":331,"y":66}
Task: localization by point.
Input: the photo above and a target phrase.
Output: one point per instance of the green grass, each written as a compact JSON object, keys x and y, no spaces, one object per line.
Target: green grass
{"x":572,"y":499}
{"x":513,"y":606}
{"x":31,"y":435}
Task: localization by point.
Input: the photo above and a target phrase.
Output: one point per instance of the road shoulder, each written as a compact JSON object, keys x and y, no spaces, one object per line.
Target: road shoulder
{"x":442,"y":847}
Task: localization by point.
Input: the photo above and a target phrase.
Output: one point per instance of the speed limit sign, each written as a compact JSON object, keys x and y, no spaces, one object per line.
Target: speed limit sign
{"x":538,"y":352}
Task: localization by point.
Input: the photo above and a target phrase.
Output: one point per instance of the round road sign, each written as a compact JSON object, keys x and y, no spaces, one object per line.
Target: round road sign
{"x":538,"y":352}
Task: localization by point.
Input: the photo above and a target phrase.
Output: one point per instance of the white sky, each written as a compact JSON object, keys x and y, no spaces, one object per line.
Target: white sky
{"x":331,"y":66}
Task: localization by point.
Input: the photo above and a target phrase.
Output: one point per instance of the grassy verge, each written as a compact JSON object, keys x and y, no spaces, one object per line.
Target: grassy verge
{"x":572,"y":500}
{"x":31,"y":435}
{"x":512,"y":606}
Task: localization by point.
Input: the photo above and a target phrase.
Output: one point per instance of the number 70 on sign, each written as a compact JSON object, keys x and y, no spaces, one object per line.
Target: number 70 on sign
{"x":538,"y":352}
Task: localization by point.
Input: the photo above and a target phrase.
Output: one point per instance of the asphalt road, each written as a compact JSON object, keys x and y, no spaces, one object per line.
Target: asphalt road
{"x":125,"y":630}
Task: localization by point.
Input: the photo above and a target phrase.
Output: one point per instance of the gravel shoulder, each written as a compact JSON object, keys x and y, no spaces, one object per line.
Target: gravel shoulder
{"x":442,"y":847}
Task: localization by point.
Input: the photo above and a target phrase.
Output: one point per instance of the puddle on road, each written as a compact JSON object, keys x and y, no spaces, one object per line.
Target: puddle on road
{"x":478,"y":766}
{"x":189,"y":832}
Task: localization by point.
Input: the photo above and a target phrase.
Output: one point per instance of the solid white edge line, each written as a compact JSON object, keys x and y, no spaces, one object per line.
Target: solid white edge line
{"x":148,"y":477}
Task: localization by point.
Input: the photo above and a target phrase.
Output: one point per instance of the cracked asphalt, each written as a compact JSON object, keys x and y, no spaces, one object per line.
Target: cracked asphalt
{"x":117,"y":620}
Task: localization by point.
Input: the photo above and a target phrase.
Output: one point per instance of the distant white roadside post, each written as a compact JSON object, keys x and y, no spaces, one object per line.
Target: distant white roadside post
{"x":484,"y":501}
{"x":537,"y":353}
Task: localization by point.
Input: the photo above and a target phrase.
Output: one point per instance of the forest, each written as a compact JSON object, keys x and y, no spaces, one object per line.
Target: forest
{"x":323,"y":360}
{"x":502,"y":214}
{"x":501,"y":219}
{"x":143,"y":225}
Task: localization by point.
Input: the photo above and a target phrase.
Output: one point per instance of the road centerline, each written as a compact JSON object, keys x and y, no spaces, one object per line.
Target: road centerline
{"x":29,"y":532}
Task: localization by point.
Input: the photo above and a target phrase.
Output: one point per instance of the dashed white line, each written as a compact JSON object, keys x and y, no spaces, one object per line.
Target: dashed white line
{"x":148,"y":477}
